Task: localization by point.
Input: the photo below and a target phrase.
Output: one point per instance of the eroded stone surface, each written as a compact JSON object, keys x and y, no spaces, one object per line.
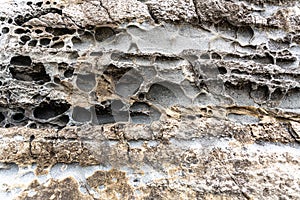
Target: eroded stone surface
{"x":149,"y":99}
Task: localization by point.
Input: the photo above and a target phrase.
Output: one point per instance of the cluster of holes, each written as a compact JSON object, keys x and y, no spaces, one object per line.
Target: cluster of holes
{"x":261,"y":94}
{"x":41,"y":3}
{"x":98,"y":34}
{"x":12,"y":117}
{"x":57,"y":39}
{"x":275,"y":51}
{"x":139,"y":112}
{"x":53,"y":113}
{"x":270,"y":94}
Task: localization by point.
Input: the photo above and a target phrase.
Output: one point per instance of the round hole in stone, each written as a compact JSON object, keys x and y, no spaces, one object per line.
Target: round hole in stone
{"x":103,"y":33}
{"x":215,"y":56}
{"x":80,"y":31}
{"x":129,"y":83}
{"x":25,"y":38}
{"x":39,"y":4}
{"x":5,"y":30}
{"x":38,"y":31}
{"x":45,"y":41}
{"x":261,"y":94}
{"x":18,"y":117}
{"x":86,"y":82}
{"x":32,"y":137}
{"x":89,"y":27}
{"x":204,"y":56}
{"x":162,"y":95}
{"x":20,"y":31}
{"x":81,"y":114}
{"x":245,"y":34}
{"x":69,"y":73}
{"x":222,"y":70}
{"x":32,"y":125}
{"x":21,"y":60}
{"x":49,"y":29}
{"x":49,"y":110}
{"x":76,"y":40}
{"x":104,"y":114}
{"x":73,"y":55}
{"x":56,"y":80}
{"x":55,"y":38}
{"x":141,"y":96}
{"x":277,"y":95}
{"x":99,"y":54}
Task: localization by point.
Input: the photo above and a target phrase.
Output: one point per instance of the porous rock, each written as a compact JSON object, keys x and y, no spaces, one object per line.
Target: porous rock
{"x":152,"y":99}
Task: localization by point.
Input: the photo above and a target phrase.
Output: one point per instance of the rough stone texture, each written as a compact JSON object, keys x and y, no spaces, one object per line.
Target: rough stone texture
{"x":151,"y":99}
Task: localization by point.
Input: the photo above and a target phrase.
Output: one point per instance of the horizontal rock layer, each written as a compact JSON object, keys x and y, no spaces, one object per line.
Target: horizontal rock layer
{"x":149,"y":99}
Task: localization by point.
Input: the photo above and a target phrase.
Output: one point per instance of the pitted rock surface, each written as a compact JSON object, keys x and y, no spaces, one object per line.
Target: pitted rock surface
{"x":149,"y":99}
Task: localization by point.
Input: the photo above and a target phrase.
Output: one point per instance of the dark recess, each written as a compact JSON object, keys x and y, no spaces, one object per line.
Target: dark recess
{"x":18,"y":117}
{"x":5,"y":30}
{"x":103,"y":33}
{"x":62,"y":31}
{"x":69,"y":73}
{"x":21,"y":60}
{"x":38,"y":31}
{"x":2,"y":117}
{"x":25,"y":38}
{"x":104,"y":114}
{"x":115,"y":72}
{"x":32,"y":43}
{"x":222,"y":70}
{"x":36,"y":72}
{"x":47,"y":110}
{"x":21,"y":31}
{"x":45,"y":41}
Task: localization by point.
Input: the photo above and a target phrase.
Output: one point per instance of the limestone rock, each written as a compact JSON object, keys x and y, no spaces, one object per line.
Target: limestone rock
{"x":152,"y":99}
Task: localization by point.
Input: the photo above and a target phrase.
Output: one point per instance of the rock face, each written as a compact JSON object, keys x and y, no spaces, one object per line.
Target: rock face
{"x":160,"y":99}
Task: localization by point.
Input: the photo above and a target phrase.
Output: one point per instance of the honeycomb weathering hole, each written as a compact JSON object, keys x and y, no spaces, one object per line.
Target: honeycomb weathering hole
{"x":18,"y":117}
{"x":104,"y":114}
{"x":103,"y":33}
{"x":49,"y":110}
{"x":129,"y":83}
{"x":21,"y":60}
{"x":161,"y":95}
{"x":62,"y":31}
{"x":86,"y":82}
{"x":69,"y":73}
